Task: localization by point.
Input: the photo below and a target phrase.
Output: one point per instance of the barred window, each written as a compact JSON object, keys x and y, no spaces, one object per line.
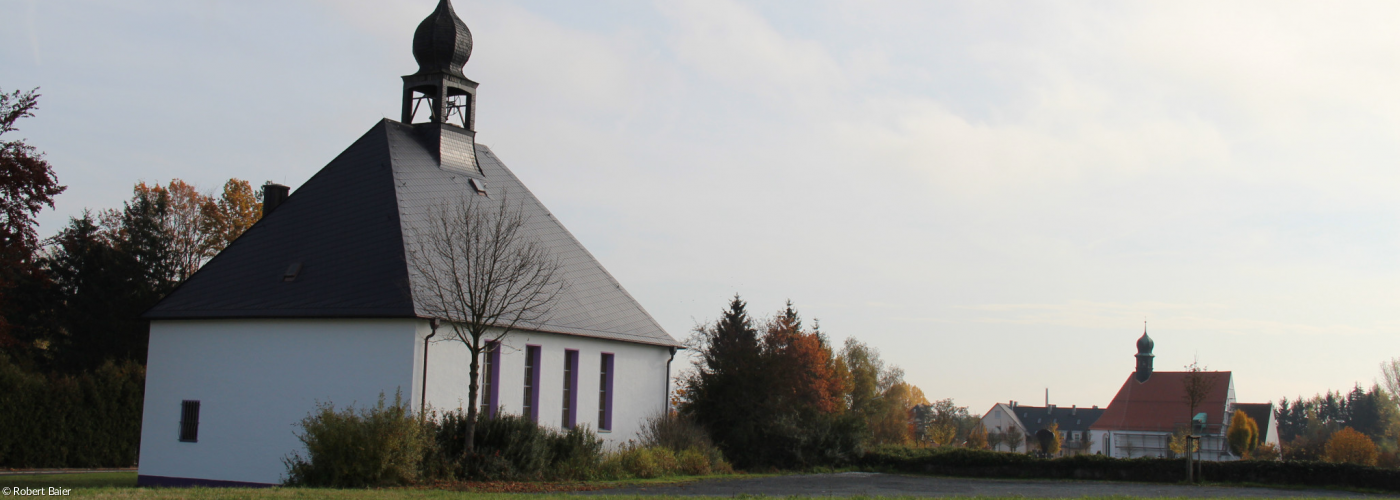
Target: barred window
{"x":567,"y":419}
{"x":605,"y":393}
{"x":189,"y":421}
{"x":532,"y":383}
{"x":490,"y":390}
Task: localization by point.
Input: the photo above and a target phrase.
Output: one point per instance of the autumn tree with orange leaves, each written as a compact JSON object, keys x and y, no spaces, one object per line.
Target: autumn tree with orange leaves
{"x":1351,"y":447}
{"x":775,"y":398}
{"x":199,"y":224}
{"x":803,"y":368}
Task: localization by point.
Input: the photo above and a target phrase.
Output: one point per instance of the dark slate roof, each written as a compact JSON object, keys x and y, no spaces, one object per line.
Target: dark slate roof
{"x":1035,"y":418}
{"x":342,"y":225}
{"x":1259,"y":412}
{"x":348,"y":225}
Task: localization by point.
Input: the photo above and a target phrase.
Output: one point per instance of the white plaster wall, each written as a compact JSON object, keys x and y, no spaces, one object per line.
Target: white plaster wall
{"x":639,"y":381}
{"x":255,"y":379}
{"x":999,"y":419}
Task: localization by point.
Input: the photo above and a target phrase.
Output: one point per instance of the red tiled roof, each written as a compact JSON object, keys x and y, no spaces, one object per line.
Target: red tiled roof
{"x":1160,"y":403}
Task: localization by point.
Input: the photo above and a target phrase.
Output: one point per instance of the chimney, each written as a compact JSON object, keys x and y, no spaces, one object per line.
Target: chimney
{"x":273,"y":196}
{"x":1073,"y":409}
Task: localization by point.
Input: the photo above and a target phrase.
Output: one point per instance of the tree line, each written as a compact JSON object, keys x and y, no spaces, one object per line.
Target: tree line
{"x":775,"y":393}
{"x":71,"y":302}
{"x":1365,"y":419}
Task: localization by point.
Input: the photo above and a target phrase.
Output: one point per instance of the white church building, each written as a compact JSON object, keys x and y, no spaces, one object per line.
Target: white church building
{"x":315,"y":304}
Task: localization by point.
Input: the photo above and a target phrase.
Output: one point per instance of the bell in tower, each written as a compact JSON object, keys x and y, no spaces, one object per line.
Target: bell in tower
{"x":438,"y":100}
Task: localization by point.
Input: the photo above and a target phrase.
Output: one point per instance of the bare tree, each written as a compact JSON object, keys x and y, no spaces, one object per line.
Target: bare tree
{"x":482,"y":272}
{"x":1196,"y":387}
{"x":1014,"y":439}
{"x":1390,"y":378}
{"x":995,"y":439}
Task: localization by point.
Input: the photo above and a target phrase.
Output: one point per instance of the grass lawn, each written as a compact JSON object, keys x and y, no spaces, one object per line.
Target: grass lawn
{"x":78,"y":480}
{"x":122,"y":485}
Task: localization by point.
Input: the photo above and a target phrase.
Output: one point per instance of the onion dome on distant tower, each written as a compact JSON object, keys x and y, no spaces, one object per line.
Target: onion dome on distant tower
{"x":1144,"y":356}
{"x":1144,"y":343}
{"x":442,"y":42}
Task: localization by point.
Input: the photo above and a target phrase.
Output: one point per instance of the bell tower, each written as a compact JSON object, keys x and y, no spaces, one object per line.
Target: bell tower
{"x":439,"y":101}
{"x":1144,"y":357}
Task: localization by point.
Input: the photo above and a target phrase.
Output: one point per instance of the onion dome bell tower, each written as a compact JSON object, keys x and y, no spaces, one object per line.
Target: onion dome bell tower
{"x":438,"y":100}
{"x":1144,"y":357}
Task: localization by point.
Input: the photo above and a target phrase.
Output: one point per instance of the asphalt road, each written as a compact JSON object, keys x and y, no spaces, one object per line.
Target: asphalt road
{"x":873,"y":484}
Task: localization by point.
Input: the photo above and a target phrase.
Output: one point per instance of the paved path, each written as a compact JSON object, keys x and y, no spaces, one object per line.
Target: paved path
{"x":873,"y":484}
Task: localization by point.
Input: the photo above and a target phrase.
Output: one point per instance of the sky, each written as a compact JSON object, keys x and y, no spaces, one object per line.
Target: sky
{"x":996,"y":195}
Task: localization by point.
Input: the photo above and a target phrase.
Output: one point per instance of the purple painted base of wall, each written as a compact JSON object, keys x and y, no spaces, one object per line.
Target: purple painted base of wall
{"x":186,"y":482}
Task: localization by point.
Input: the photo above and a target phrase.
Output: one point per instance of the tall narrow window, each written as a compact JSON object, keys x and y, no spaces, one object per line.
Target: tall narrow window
{"x":570,"y":416}
{"x":605,"y":393}
{"x":490,"y":388}
{"x":532,"y":383}
{"x":189,"y":421}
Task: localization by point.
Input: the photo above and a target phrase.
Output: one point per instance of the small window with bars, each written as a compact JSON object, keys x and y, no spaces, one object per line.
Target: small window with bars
{"x":490,"y":390}
{"x":605,"y":393}
{"x":189,"y":421}
{"x":567,"y":419}
{"x":532,"y":383}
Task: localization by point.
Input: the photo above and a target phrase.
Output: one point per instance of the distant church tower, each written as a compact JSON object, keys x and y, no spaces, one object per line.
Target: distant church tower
{"x":1144,"y":357}
{"x":441,"y":45}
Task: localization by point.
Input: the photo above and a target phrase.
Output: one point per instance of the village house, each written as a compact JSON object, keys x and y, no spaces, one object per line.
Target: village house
{"x":1071,"y":423}
{"x":1263,"y":415}
{"x":319,"y":303}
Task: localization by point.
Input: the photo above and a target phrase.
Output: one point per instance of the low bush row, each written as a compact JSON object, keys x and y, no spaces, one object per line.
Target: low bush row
{"x":386,"y":445}
{"x":87,"y":420}
{"x":979,"y":463}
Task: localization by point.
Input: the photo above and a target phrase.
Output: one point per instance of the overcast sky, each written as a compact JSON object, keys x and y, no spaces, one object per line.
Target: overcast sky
{"x":994,"y":194}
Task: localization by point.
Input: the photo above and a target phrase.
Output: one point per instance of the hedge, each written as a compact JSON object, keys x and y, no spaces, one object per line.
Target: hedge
{"x":88,"y":420}
{"x":977,"y":463}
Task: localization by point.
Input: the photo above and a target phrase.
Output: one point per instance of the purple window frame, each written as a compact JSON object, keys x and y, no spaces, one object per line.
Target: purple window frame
{"x":605,"y":401}
{"x":492,"y":397}
{"x":532,"y":352}
{"x":570,"y":388}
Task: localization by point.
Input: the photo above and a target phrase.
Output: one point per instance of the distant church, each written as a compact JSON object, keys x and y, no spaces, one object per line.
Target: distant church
{"x":1141,"y":418}
{"x":316,"y":303}
{"x":1150,"y":406}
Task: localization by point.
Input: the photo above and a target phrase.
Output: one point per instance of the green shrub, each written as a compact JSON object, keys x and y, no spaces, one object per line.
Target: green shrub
{"x":377,"y":446}
{"x":506,"y":447}
{"x":71,"y":421}
{"x":673,"y":431}
{"x":693,"y":463}
{"x":648,"y":462}
{"x":576,"y":454}
{"x":640,"y":462}
{"x":682,"y":435}
{"x":513,"y":447}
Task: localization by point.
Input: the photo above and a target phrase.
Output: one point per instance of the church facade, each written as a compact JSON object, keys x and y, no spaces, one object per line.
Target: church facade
{"x":319,"y":303}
